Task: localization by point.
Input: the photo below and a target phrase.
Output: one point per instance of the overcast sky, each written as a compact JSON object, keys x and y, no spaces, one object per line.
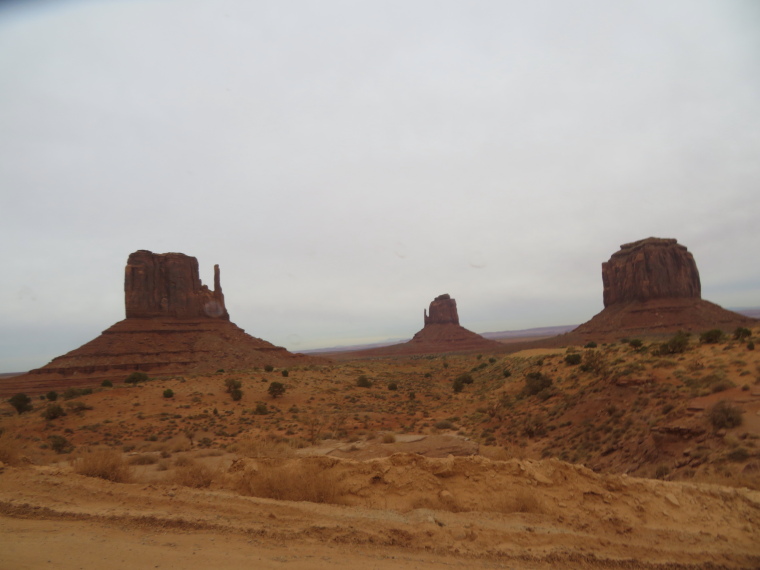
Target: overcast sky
{"x":345,"y":162}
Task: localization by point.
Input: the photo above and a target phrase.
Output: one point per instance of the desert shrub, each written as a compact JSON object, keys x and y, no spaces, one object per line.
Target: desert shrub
{"x":52,"y":395}
{"x":77,"y":407}
{"x":677,"y":344}
{"x":411,"y":395}
{"x":71,"y":393}
{"x":136,"y":377}
{"x":60,"y":444}
{"x":594,"y":362}
{"x":231,"y":384}
{"x":465,"y":378}
{"x":534,"y":426}
{"x":363,"y":382}
{"x":635,"y":343}
{"x":393,"y":386}
{"x":742,"y":333}
{"x":535,"y":382}
{"x":236,"y":394}
{"x":285,"y":373}
{"x":389,"y":438}
{"x":106,"y":384}
{"x":457,"y":385}
{"x":261,"y":409}
{"x":143,"y":459}
{"x":573,"y":359}
{"x":103,"y":463}
{"x":507,"y":373}
{"x":662,"y":471}
{"x":193,"y":474}
{"x":268,"y":368}
{"x":53,"y":411}
{"x":21,"y":402}
{"x":722,"y":386}
{"x":590,"y":344}
{"x":302,"y":481}
{"x":10,"y":448}
{"x":262,"y":447}
{"x":712,"y":336}
{"x":724,"y":415}
{"x":444,"y":424}
{"x":738,"y":455}
{"x":750,"y":345}
{"x":276,"y":389}
{"x":168,"y":393}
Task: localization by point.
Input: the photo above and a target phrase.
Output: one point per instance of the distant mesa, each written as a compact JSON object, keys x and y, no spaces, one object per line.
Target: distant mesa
{"x":652,"y":286}
{"x":174,"y":325}
{"x":441,"y":333}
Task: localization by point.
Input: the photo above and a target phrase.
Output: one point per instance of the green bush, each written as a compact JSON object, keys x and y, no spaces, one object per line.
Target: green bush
{"x":71,"y":393}
{"x":724,"y":415}
{"x":458,"y":385}
{"x":677,"y":344}
{"x":712,"y":336}
{"x":536,"y":382}
{"x":285,"y":373}
{"x":268,"y":368}
{"x":106,"y":384}
{"x":52,"y":395}
{"x":276,"y":389}
{"x":21,"y":402}
{"x":573,"y":359}
{"x":507,"y":373}
{"x":742,"y":333}
{"x":635,"y":343}
{"x":136,"y":377}
{"x":231,"y":384}
{"x":60,"y":444}
{"x":363,"y":382}
{"x":465,"y":378}
{"x":393,"y":386}
{"x":261,"y":409}
{"x":52,"y":412}
{"x":444,"y":424}
{"x":590,"y":344}
{"x":168,"y":393}
{"x":236,"y":394}
{"x":750,"y":345}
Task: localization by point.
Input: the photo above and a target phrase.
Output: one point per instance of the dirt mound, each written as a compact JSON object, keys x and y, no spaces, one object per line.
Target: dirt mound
{"x":402,"y":511}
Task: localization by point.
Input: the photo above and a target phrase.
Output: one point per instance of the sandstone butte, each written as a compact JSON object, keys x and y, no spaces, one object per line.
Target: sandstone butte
{"x":174,"y":325}
{"x":652,"y":286}
{"x":441,"y":333}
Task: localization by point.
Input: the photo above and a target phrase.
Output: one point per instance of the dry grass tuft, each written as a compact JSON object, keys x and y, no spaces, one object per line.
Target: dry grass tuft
{"x":103,"y":463}
{"x":291,"y":482}
{"x":143,"y":459}
{"x":10,"y":449}
{"x":262,"y":447}
{"x":192,"y":474}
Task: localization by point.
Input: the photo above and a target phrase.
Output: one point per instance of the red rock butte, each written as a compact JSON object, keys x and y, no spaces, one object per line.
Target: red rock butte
{"x":174,"y":325}
{"x":441,"y":333}
{"x":652,"y":286}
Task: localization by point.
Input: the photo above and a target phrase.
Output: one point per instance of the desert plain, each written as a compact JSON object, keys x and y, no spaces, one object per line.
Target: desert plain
{"x":603,"y":455}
